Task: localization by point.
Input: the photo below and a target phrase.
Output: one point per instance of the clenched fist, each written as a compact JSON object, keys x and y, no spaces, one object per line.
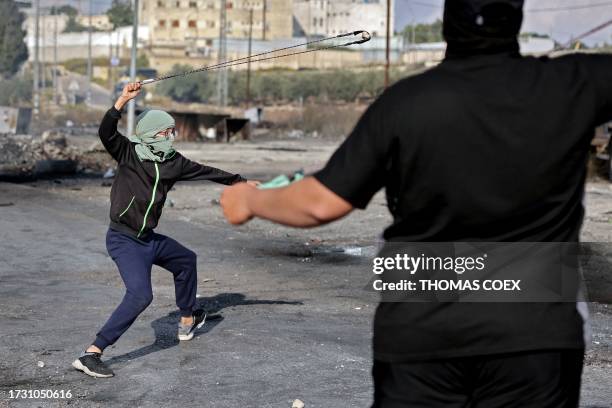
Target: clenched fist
{"x":234,"y":201}
{"x":130,"y":91}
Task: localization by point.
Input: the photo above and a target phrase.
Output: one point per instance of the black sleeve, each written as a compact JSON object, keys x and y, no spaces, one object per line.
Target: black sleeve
{"x":114,"y":142}
{"x":191,"y":170}
{"x":599,"y":73}
{"x":357,"y":170}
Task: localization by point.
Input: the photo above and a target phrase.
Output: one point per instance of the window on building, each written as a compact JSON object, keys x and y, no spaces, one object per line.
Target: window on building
{"x":176,"y":23}
{"x":160,"y":4}
{"x":210,"y":24}
{"x":162,"y":23}
{"x":192,"y":24}
{"x":178,"y":4}
{"x":193,"y":4}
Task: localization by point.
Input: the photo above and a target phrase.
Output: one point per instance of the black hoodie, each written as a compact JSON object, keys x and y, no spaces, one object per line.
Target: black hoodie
{"x":140,"y":187}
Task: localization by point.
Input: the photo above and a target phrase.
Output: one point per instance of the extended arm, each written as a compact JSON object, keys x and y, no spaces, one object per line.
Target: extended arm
{"x":307,"y":203}
{"x":195,"y":171}
{"x":350,"y":179}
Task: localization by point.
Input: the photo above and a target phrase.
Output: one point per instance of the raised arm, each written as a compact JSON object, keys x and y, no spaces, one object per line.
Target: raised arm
{"x":114,"y":142}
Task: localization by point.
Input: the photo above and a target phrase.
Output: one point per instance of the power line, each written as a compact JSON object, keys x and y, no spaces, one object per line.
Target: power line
{"x":576,"y":7}
{"x":533,"y":10}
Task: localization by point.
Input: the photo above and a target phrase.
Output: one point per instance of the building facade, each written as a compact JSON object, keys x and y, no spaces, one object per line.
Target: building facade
{"x":176,"y":22}
{"x":326,"y":18}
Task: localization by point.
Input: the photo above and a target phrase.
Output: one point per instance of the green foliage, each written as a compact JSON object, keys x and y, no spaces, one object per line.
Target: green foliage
{"x":278,"y":86}
{"x":424,"y":33}
{"x":16,"y":92}
{"x":195,"y":88}
{"x":79,"y":65}
{"x":142,"y":61}
{"x":120,"y":13}
{"x":72,"y":26}
{"x":13,"y":50}
{"x":531,"y":34}
{"x":66,"y":9}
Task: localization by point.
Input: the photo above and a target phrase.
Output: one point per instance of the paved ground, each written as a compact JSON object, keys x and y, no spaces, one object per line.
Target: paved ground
{"x":293,"y":319}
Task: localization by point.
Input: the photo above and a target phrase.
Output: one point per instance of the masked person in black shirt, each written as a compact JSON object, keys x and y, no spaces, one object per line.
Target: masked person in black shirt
{"x":488,"y":146}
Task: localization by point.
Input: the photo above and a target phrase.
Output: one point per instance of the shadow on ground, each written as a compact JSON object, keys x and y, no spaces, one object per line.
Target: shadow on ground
{"x":165,"y":328}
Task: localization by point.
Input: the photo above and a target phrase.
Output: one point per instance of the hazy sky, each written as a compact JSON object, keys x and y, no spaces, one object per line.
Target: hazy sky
{"x":562,"y":24}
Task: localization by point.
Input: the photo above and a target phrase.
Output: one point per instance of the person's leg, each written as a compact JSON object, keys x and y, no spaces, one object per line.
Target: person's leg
{"x":542,"y":379}
{"x":182,"y":262}
{"x":422,"y":384}
{"x":134,"y":261}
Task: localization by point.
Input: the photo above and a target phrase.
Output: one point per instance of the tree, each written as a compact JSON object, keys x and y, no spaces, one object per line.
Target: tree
{"x":120,"y":13}
{"x":72,"y":26}
{"x":13,"y":50}
{"x":424,"y":33}
{"x":66,"y":9}
{"x":195,"y":88}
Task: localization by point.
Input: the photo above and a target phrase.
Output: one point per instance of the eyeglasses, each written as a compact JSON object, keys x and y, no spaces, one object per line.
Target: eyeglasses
{"x":168,"y":133}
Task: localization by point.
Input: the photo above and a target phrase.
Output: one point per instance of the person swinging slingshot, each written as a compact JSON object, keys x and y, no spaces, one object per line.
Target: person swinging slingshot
{"x":148,"y":167}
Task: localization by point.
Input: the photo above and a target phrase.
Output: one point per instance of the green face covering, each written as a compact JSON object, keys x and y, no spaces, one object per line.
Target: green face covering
{"x":148,"y":147}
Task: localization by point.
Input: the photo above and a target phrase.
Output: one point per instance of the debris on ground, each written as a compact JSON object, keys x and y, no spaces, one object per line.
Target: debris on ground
{"x":109,"y":173}
{"x":297,"y":404}
{"x":24,"y":157}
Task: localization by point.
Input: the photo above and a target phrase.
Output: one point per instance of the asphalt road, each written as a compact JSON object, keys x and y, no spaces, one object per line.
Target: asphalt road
{"x":291,"y":323}
{"x":289,"y":328}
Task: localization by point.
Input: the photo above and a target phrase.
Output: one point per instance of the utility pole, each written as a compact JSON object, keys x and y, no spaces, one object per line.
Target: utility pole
{"x":248,"y":84}
{"x":265,"y":12}
{"x":132,"y":102}
{"x":43,"y":58}
{"x":35,"y":90}
{"x":110,"y":61}
{"x":387,"y":57}
{"x":222,"y":73}
{"x":89,"y":67}
{"x":54,"y":73}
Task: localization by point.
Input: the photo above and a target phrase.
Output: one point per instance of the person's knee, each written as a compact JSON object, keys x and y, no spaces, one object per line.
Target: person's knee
{"x":141,"y":300}
{"x":192,"y":258}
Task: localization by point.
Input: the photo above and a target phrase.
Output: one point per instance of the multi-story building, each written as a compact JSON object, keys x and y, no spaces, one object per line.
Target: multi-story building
{"x":100,"y":22}
{"x":327,"y":18}
{"x":177,"y":22}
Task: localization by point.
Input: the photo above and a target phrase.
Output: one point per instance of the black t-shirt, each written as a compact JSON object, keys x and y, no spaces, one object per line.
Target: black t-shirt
{"x":485,"y":148}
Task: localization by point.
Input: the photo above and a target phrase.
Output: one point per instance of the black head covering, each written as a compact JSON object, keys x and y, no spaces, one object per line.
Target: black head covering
{"x":473,"y":27}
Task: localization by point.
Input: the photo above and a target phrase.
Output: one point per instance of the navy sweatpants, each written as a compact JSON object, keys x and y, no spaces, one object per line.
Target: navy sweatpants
{"x":135,"y":258}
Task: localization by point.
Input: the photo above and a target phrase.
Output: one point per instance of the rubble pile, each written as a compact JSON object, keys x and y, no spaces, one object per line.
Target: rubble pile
{"x":24,"y":157}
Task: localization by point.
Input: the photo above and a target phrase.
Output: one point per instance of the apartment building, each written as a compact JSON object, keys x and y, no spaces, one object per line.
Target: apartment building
{"x":325,"y":18}
{"x":177,"y":22}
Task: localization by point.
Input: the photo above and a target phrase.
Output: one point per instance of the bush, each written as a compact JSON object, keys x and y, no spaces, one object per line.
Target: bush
{"x":193,"y":88}
{"x":17,"y":91}
{"x":278,"y":86}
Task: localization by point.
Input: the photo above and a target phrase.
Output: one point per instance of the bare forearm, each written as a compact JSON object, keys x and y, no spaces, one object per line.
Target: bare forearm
{"x":283,"y":207}
{"x":120,"y":103}
{"x":304,"y":204}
